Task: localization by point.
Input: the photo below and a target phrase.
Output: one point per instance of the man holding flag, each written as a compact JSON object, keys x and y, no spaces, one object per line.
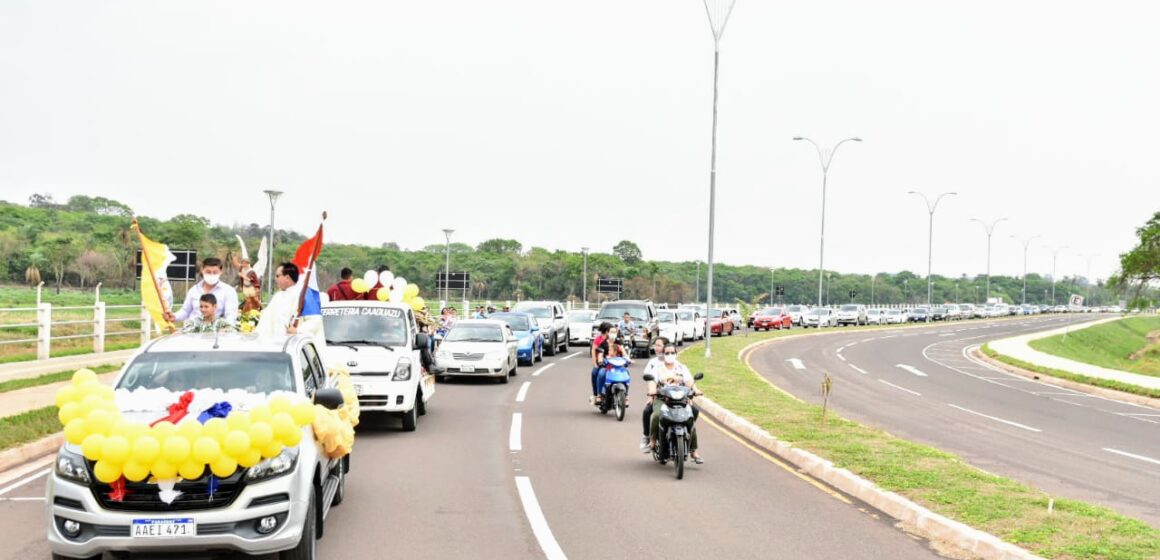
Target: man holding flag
{"x":297,"y":306}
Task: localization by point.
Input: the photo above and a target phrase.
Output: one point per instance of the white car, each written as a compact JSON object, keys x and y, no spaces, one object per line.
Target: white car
{"x":380,"y":345}
{"x":796,"y":311}
{"x":966,"y":310}
{"x":479,"y":348}
{"x":875,"y":316}
{"x":670,"y":328}
{"x":692,"y":323}
{"x":820,"y":317}
{"x":893,"y":317}
{"x":580,"y":323}
{"x":553,"y":323}
{"x":851,"y":314}
{"x":954,"y":312}
{"x":735,"y":317}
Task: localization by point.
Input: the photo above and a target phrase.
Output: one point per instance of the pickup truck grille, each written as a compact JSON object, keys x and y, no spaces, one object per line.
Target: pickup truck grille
{"x":142,"y":496}
{"x":467,"y":356}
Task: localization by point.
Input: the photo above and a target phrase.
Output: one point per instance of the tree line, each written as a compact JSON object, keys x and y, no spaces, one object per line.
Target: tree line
{"x":85,"y":240}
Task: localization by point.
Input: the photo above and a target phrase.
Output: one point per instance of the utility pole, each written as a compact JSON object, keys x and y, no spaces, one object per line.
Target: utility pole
{"x":584,"y":250}
{"x":270,"y":256}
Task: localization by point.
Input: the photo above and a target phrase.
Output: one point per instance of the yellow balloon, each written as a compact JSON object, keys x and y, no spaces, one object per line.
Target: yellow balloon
{"x":76,"y":431}
{"x":238,"y":420}
{"x":411,"y":291}
{"x":189,"y":429}
{"x":191,"y":470}
{"x":236,"y":443}
{"x":250,"y":458}
{"x":162,"y":430}
{"x":92,"y":446}
{"x":206,"y":450}
{"x":280,"y":404}
{"x":293,"y":438}
{"x":69,"y":412}
{"x":272,"y":450}
{"x":99,"y":422}
{"x":146,"y":449}
{"x":115,"y":450}
{"x":216,"y":428}
{"x":106,"y":472}
{"x":134,"y":471}
{"x":418,"y":304}
{"x":303,"y":413}
{"x":261,"y":434}
{"x":383,"y":294}
{"x":260,"y":413}
{"x":359,"y":286}
{"x":175,"y":450}
{"x":84,"y":377}
{"x":281,"y":423}
{"x":163,"y":470}
{"x":105,"y":392}
{"x":65,"y":395}
{"x":121,"y":427}
{"x":137,"y":430}
{"x":224,"y":467}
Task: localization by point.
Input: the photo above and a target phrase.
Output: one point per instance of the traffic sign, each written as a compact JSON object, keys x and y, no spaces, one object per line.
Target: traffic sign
{"x":609,"y":285}
{"x":183,"y":269}
{"x":452,"y":281}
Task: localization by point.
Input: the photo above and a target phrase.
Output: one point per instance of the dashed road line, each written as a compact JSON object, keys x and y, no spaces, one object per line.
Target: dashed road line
{"x":514,"y":437}
{"x":858,"y":369}
{"x":541,"y":370}
{"x":1008,"y":422}
{"x":536,"y":518}
{"x":911,"y":369}
{"x":523,"y":394}
{"x":915,"y":393}
{"x":796,"y":363}
{"x":1133,"y":456}
{"x":841,"y":357}
{"x":572,"y":355}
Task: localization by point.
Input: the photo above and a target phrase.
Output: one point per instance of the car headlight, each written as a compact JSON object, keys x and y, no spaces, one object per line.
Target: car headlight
{"x":275,"y":466}
{"x":402,"y":370}
{"x":71,"y":466}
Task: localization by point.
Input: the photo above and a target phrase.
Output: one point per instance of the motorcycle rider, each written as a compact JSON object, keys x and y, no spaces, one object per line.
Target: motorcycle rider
{"x":626,"y":325}
{"x":599,"y":350}
{"x":611,"y":347}
{"x":672,"y":372}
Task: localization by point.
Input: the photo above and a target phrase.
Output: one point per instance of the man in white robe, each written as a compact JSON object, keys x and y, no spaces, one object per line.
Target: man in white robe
{"x":283,"y":307}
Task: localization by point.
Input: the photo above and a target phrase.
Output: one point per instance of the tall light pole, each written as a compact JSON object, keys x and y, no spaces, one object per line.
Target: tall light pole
{"x":1054,"y":258}
{"x":825,"y":158}
{"x":905,"y":289}
{"x":1088,"y":277}
{"x":990,"y":228}
{"x":718,"y":12}
{"x":930,"y":243}
{"x":698,"y":296}
{"x":872,"y":280}
{"x":447,"y":266}
{"x":956,"y":291}
{"x":270,"y":256}
{"x":771,"y":290}
{"x":1026,"y":243}
{"x":828,"y":288}
{"x":584,"y":250}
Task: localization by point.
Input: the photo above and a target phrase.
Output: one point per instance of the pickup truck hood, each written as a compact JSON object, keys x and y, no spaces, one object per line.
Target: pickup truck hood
{"x":366,"y":358}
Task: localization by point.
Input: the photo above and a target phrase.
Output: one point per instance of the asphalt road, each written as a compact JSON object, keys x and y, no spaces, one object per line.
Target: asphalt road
{"x":577,"y":486}
{"x":921,"y":384}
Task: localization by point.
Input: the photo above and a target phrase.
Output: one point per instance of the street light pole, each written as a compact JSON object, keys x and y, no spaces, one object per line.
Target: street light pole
{"x":718,"y":17}
{"x":1054,"y":258}
{"x":930,"y":244}
{"x":447,"y":267}
{"x":1088,"y":278}
{"x":270,"y":256}
{"x":872,"y":280}
{"x":584,"y":250}
{"x":771,"y":287}
{"x":990,"y":228}
{"x":698,"y":297}
{"x":825,"y":158}
{"x":1026,"y":244}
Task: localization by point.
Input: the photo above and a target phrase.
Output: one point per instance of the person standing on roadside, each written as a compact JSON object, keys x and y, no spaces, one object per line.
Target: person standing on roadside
{"x":211,"y":283}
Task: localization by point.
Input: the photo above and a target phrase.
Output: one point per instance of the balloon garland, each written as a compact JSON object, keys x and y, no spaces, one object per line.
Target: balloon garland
{"x":391,"y":288}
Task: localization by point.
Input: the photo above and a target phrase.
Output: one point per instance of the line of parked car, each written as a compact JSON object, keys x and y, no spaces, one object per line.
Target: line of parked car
{"x":858,"y":314}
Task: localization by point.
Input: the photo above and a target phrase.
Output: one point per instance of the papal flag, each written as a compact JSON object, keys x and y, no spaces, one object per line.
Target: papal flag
{"x":155,"y":259}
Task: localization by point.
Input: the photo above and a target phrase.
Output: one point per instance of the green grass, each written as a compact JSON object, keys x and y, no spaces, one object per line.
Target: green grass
{"x":28,"y":427}
{"x":1094,"y":381}
{"x":49,"y":378}
{"x":25,"y":296}
{"x":938,"y":480}
{"x":1108,"y":345}
{"x":57,"y":352}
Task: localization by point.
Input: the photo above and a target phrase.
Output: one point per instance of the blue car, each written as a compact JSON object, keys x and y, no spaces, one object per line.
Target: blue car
{"x":530,"y":345}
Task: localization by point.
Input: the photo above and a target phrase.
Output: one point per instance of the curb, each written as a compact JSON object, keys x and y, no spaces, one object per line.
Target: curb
{"x":1049,"y":379}
{"x":923,"y":522}
{"x":30,"y":451}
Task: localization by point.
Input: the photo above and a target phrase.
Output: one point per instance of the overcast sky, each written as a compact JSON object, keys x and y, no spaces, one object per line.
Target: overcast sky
{"x":569,"y":124}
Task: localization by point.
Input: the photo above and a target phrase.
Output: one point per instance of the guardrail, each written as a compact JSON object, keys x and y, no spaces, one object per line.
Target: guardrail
{"x":103,"y":326}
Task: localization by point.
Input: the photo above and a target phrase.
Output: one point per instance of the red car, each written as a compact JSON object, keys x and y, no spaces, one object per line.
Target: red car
{"x":720,"y":323}
{"x":772,"y":318}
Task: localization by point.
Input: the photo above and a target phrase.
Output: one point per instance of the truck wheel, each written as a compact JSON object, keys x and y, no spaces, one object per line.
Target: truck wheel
{"x":410,"y":418}
{"x":56,"y":556}
{"x":306,"y":549}
{"x":340,"y":493}
{"x":552,"y":348}
{"x":419,"y":404}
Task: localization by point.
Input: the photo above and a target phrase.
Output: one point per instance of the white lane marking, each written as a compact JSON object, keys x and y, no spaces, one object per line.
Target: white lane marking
{"x":34,"y":499}
{"x":1132,"y":455}
{"x":900,"y":388}
{"x":888,"y":336}
{"x":523,"y":394}
{"x":1008,"y":422}
{"x":572,"y":355}
{"x":857,"y":369}
{"x":24,"y":481}
{"x":1136,"y":414}
{"x":541,"y":370}
{"x":517,"y":427}
{"x":797,"y":364}
{"x":841,"y":357}
{"x":26,"y":469}
{"x":854,"y":343}
{"x":536,"y":518}
{"x":948,"y":334}
{"x":1072,"y":394}
{"x":911,"y":369}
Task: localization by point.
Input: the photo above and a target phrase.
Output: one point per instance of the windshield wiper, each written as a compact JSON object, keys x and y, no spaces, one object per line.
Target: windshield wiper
{"x":363,"y":342}
{"x":338,"y":343}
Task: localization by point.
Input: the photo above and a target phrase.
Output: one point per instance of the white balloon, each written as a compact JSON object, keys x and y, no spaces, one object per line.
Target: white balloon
{"x":371,"y":278}
{"x":399,"y":284}
{"x":386,"y":277}
{"x":396,"y":296}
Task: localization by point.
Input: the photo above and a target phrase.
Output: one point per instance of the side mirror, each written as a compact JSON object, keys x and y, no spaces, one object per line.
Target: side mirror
{"x":420,"y":341}
{"x":329,"y":397}
{"x":698,"y":377}
{"x":649,"y":377}
{"x":560,"y":316}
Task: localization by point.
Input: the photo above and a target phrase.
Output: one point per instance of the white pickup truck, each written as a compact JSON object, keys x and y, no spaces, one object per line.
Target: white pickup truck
{"x":379,"y":344}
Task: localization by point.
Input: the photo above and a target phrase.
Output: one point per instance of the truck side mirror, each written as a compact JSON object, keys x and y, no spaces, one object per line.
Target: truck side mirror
{"x":420,"y":341}
{"x":329,"y":398}
{"x":698,"y":377}
{"x":649,"y":377}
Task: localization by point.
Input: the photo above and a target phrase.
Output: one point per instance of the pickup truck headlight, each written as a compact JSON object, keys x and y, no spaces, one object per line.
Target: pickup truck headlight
{"x":71,"y":466}
{"x":275,"y":466}
{"x":402,"y":370}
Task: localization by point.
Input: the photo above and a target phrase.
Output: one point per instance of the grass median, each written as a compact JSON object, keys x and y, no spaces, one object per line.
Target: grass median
{"x":28,"y":427}
{"x":938,"y":480}
{"x":1121,"y":345}
{"x":1093,"y":381}
{"x":50,"y":378}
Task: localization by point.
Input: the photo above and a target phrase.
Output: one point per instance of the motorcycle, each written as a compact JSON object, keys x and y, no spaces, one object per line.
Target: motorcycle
{"x":676,"y":424}
{"x":615,"y":389}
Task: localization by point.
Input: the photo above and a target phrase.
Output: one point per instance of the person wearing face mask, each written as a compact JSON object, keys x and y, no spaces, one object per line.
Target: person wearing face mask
{"x":211,"y":283}
{"x":667,"y":370}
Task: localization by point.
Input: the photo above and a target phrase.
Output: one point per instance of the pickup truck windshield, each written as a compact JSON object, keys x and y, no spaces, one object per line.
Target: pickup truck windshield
{"x":384,"y":325}
{"x":615,"y":313}
{"x":665,"y":316}
{"x":252,"y":372}
{"x":537,"y":312}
